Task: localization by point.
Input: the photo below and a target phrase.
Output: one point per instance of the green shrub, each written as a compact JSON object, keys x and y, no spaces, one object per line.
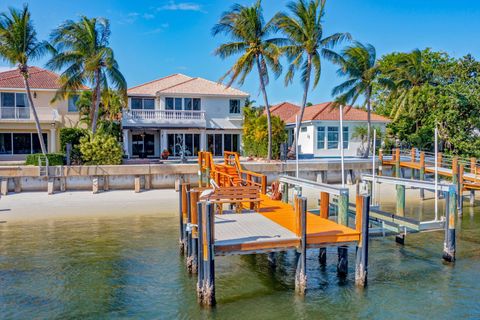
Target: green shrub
{"x":54,"y":159}
{"x":72,"y":136}
{"x":100,"y":149}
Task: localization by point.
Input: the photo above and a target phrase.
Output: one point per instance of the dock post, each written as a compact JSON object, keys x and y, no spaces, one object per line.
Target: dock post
{"x":301,"y":274}
{"x":188,"y":233}
{"x":4,"y":186}
{"x":285,"y":192}
{"x":194,"y":195}
{"x":362,"y":218}
{"x":380,"y":162}
{"x":400,"y":200}
{"x":201,"y":266}
{"x":449,"y":244}
{"x":473,"y":170}
{"x":422,"y":173}
{"x":180,"y":214}
{"x":413,"y":159}
{"x":324,"y":213}
{"x":461,"y":170}
{"x":208,"y":256}
{"x":342,"y":264}
{"x":397,"y":163}
{"x":207,"y":175}
{"x":472,"y":197}
{"x":185,"y":187}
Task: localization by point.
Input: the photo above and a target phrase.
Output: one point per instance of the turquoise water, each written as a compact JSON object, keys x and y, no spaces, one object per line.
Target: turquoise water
{"x":131,"y":268}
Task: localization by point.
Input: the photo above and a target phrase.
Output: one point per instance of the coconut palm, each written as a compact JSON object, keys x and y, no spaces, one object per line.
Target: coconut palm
{"x":82,"y":49}
{"x":306,"y":44}
{"x":18,"y":46}
{"x":251,"y":40}
{"x":359,"y":64}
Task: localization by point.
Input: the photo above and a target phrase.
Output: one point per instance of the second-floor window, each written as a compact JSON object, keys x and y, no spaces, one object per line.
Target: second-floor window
{"x":11,"y":100}
{"x":182,"y":103}
{"x":191,"y":104}
{"x":173,"y":103}
{"x":142,"y":103}
{"x":72,"y":103}
{"x":235,"y":106}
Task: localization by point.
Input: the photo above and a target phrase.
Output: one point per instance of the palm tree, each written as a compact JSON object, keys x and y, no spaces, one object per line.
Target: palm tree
{"x":19,"y":45}
{"x":305,"y":44}
{"x":82,"y":49}
{"x":359,"y":64}
{"x":251,"y":39}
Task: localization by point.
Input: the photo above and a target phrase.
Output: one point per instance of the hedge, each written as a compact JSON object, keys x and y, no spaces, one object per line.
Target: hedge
{"x":54,"y":159}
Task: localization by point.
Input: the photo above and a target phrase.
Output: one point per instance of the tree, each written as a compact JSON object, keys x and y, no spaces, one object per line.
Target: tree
{"x":82,"y":49}
{"x":251,"y":40}
{"x":19,"y":45}
{"x":305,"y":44}
{"x":359,"y":64}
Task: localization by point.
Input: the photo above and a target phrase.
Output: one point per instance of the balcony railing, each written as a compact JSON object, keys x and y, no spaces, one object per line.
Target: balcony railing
{"x":165,"y":115}
{"x":14,"y":113}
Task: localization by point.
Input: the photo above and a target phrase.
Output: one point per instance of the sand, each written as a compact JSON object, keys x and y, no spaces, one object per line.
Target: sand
{"x":32,"y":206}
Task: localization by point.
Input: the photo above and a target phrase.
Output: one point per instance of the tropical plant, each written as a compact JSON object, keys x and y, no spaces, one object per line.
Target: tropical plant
{"x":72,"y":136}
{"x":18,"y":46}
{"x":359,"y":64}
{"x":100,"y":149}
{"x":255,"y":136}
{"x":251,"y":40}
{"x":361,"y":132}
{"x":305,"y":44}
{"x":81,"y":49}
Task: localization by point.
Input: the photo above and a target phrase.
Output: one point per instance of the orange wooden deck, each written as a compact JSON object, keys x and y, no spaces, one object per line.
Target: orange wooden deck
{"x":319,"y":230}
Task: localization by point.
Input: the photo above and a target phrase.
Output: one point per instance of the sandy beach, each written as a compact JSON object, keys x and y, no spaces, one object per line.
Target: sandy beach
{"x":31,"y":206}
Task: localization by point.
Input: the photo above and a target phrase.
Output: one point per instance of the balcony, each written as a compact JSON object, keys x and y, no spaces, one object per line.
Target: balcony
{"x":164,"y":118}
{"x":13,"y":113}
{"x":24,"y":114}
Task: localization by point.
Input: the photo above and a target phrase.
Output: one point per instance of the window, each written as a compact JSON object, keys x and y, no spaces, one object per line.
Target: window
{"x":187,"y":102}
{"x":142,"y":103}
{"x":168,"y":103}
{"x":303,"y":129}
{"x":5,"y":143}
{"x":234,"y":106}
{"x":196,"y":104}
{"x":345,"y":138}
{"x":332,"y":137}
{"x":21,"y":143}
{"x":72,"y":103}
{"x":191,"y":143}
{"x":320,"y":137}
{"x":178,"y":103}
{"x":8,"y":100}
{"x":21,"y":100}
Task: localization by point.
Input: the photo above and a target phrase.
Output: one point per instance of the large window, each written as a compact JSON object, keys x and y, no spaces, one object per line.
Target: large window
{"x":345,"y":138}
{"x":235,"y":106}
{"x":218,"y":143}
{"x":332,"y":136}
{"x":142,"y":103}
{"x":14,"y":106}
{"x":21,"y":143}
{"x":320,"y":137}
{"x":72,"y":103}
{"x":190,"y":142}
{"x":188,"y":104}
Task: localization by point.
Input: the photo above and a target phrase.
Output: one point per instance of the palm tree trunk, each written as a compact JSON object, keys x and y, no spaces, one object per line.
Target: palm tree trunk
{"x":35,"y":115}
{"x":369,"y":124}
{"x":96,"y":102}
{"x":304,"y":103}
{"x":267,"y":108}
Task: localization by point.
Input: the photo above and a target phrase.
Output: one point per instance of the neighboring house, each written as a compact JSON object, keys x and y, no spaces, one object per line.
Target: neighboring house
{"x":178,"y":113}
{"x":320,"y":129}
{"x":18,"y":134}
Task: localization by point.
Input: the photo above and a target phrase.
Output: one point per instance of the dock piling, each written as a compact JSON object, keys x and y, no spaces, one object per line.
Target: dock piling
{"x":361,"y":263}
{"x":472,"y":198}
{"x":450,"y":243}
{"x":422,"y":173}
{"x":285,"y":192}
{"x":208,"y":256}
{"x":301,"y":275}
{"x":194,"y":195}
{"x":400,"y":200}
{"x":201,"y":267}
{"x":342,"y":264}
{"x":188,"y":233}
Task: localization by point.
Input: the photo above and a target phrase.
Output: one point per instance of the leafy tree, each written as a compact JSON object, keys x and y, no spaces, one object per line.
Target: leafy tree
{"x":305,"y":44}
{"x":359,"y":64}
{"x":255,"y":136}
{"x":81,"y":49}
{"x":19,"y":45}
{"x":251,"y":40}
{"x":100,"y":149}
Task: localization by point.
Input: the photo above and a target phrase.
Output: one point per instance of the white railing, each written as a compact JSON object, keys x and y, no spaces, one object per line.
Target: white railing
{"x":14,"y":113}
{"x":165,"y":115}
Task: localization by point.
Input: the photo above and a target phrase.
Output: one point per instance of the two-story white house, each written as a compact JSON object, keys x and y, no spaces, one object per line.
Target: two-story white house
{"x":18,"y":134}
{"x":320,"y":129}
{"x":181,"y":113}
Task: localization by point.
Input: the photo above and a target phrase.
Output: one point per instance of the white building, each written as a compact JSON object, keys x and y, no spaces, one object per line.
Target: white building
{"x":178,"y":113}
{"x":320,"y":130}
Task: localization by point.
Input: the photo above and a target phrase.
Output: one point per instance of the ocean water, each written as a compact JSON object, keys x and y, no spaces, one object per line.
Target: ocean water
{"x":130,"y":267}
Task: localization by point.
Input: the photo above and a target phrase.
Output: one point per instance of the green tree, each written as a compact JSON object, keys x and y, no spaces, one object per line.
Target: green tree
{"x":251,"y":40}
{"x":305,"y":44}
{"x":100,"y":149}
{"x":359,"y":64}
{"x":18,"y":46}
{"x":82,"y":49}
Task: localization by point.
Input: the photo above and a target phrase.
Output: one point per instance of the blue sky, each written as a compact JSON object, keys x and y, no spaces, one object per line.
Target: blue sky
{"x":152,"y":39}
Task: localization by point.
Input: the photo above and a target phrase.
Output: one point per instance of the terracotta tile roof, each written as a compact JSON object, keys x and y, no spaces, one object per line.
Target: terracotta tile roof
{"x":39,"y":79}
{"x":323,"y":111}
{"x":182,"y":84}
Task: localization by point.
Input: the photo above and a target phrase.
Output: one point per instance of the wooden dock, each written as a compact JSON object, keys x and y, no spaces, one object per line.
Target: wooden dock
{"x":276,"y":226}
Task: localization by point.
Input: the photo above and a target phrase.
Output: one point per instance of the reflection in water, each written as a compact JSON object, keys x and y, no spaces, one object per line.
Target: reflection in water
{"x":130,"y":268}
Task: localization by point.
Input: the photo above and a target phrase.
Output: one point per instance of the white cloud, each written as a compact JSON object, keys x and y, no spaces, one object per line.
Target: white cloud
{"x":161,"y":28}
{"x":181,"y":6}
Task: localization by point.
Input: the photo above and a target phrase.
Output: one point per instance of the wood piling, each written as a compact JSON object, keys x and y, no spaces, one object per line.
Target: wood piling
{"x":201,"y":266}
{"x":461,"y":170}
{"x":422,"y":173}
{"x":342,"y":264}
{"x":188,"y":233}
{"x":301,"y":275}
{"x":208,"y":292}
{"x":194,"y":195}
{"x":380,"y":162}
{"x":362,"y":221}
{"x":450,"y":243}
{"x":285,"y":192}
{"x":413,"y":159}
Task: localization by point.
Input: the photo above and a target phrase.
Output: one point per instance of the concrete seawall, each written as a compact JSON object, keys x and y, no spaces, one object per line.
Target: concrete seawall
{"x":158,"y":176}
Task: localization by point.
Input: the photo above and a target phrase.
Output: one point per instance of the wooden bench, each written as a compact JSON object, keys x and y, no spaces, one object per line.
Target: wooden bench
{"x":235,"y":196}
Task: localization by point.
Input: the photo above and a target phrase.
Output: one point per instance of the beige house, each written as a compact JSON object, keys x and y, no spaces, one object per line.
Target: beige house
{"x":18,"y":134}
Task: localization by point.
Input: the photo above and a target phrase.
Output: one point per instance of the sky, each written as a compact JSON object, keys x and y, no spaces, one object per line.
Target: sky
{"x":152,"y":39}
